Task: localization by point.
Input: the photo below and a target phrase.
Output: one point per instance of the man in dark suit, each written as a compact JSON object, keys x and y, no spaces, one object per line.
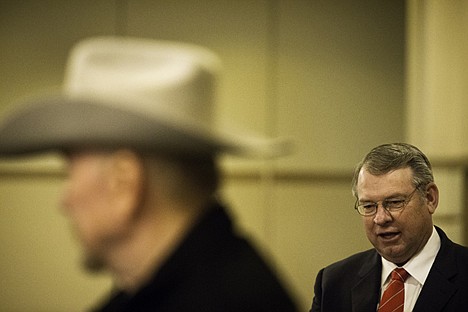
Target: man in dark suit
{"x":396,"y":196}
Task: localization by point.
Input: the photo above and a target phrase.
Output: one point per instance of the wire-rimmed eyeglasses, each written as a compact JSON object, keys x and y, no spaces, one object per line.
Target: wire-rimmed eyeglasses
{"x":391,"y":205}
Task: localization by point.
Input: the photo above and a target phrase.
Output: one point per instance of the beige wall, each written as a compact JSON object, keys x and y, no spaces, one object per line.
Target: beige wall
{"x":436,"y":107}
{"x":328,"y":73}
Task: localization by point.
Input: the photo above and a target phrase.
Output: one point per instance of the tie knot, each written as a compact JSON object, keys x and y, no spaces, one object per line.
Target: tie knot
{"x":399,"y":274}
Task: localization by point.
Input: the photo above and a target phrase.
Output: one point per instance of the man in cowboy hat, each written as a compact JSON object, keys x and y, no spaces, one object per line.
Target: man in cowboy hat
{"x":133,"y":121}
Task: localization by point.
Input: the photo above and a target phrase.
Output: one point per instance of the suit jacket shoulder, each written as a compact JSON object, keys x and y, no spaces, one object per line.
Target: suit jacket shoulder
{"x":446,"y":287}
{"x":351,"y":284}
{"x":213,"y":269}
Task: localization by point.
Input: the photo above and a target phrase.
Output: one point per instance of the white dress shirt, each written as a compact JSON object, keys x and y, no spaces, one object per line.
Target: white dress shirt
{"x":418,"y":267}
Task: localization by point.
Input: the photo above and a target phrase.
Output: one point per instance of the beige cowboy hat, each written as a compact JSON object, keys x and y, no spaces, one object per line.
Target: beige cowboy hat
{"x":129,"y":92}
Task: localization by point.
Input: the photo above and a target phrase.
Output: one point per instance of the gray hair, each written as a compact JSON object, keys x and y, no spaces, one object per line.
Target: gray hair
{"x":388,"y":157}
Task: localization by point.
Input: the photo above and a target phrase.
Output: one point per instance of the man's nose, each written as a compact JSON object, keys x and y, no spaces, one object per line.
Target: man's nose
{"x":64,"y":200}
{"x":382,"y":215}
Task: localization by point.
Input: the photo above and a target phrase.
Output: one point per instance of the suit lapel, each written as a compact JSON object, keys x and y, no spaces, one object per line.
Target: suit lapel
{"x":435,"y":293}
{"x":365,"y":294}
{"x":438,"y":289}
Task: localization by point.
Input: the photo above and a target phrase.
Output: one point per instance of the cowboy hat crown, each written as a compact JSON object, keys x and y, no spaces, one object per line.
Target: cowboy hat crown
{"x":129,"y":92}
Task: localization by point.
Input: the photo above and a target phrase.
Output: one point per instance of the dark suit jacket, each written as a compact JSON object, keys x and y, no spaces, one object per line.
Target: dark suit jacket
{"x":213,"y":270}
{"x":353,"y":284}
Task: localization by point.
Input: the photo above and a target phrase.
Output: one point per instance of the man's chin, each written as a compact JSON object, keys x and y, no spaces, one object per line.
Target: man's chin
{"x":93,"y":264}
{"x":394,"y":255}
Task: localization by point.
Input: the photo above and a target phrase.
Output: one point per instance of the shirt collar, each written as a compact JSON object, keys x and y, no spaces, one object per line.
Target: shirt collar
{"x":418,"y":266}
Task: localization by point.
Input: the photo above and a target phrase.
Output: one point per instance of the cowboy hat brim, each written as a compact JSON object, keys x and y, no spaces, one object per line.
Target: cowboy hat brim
{"x":61,"y":123}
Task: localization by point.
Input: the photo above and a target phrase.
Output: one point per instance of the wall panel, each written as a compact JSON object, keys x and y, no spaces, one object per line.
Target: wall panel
{"x":340,"y":87}
{"x":36,"y":37}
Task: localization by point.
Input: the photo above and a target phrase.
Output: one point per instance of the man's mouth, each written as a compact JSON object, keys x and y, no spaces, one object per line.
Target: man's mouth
{"x":388,"y":235}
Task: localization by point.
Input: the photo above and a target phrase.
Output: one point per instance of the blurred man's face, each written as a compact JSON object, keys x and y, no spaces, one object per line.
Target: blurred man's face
{"x":86,"y":202}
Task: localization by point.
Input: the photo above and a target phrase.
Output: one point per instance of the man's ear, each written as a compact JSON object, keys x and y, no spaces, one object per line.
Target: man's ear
{"x":126,"y":182}
{"x":432,"y":197}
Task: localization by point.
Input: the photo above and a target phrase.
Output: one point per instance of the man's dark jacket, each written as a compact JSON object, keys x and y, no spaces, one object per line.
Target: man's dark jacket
{"x":353,"y":284}
{"x":212,"y":270}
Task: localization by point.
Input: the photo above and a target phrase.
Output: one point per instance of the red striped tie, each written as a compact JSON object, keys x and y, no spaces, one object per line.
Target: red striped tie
{"x":393,"y":299}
